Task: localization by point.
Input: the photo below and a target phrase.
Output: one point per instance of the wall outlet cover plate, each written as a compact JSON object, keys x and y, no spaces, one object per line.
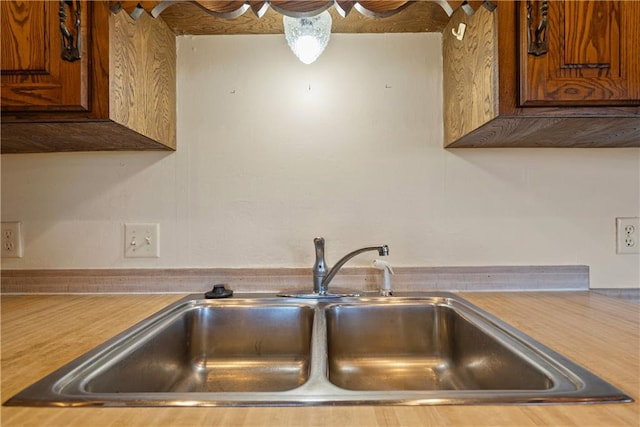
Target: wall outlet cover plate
{"x":628,"y":235}
{"x":142,"y":240}
{"x":12,"y":239}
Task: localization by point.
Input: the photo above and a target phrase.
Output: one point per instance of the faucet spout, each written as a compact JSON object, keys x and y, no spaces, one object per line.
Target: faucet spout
{"x":322,"y":275}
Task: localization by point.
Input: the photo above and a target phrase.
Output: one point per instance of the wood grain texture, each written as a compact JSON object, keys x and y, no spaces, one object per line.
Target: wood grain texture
{"x":41,"y":333}
{"x":508,"y":66}
{"x":470,"y":73}
{"x":301,"y":7}
{"x":187,"y":18}
{"x":592,"y":57}
{"x":24,"y":21}
{"x":141,"y":116}
{"x":142,"y":78}
{"x":551,"y":125}
{"x":101,"y":68}
{"x":48,"y":137}
{"x":227,"y":17}
{"x":34,"y":75}
{"x":550,"y":131}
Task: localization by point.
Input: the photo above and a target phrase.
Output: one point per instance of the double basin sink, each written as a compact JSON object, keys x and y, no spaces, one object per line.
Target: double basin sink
{"x":418,"y":349}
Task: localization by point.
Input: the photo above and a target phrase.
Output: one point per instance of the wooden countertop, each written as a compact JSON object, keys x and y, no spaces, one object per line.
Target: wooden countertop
{"x":43,"y":332}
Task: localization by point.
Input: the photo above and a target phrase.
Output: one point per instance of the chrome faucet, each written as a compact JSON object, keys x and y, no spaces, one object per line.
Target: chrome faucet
{"x":322,"y":275}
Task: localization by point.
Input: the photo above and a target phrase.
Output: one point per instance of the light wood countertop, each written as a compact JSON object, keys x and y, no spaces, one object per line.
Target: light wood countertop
{"x":43,"y":332}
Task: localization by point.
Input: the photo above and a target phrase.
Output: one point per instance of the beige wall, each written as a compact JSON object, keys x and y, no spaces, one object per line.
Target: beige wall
{"x":273,"y":152}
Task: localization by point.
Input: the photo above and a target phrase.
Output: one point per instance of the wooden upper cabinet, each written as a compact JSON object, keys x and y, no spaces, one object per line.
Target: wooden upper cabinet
{"x":593,"y":53}
{"x":119,"y":95}
{"x":584,"y":91}
{"x":34,"y":74}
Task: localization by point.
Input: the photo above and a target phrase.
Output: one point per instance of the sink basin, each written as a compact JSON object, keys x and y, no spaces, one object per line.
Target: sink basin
{"x":417,"y":349}
{"x":208,"y":348}
{"x":413,"y":346}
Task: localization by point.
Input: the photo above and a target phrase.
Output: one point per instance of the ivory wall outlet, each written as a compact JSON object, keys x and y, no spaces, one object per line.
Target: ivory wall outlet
{"x":11,"y":240}
{"x":628,"y":235}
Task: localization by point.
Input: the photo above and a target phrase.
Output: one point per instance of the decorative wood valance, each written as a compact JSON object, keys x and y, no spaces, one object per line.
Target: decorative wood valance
{"x":203,"y":16}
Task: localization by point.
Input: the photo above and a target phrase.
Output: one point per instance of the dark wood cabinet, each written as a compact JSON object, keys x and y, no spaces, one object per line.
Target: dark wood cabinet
{"x":593,"y":54}
{"x":583,"y":92}
{"x":35,"y":77}
{"x":120,"y":94}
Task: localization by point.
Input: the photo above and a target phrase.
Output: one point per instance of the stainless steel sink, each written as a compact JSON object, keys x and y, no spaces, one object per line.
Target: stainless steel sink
{"x":413,"y":346}
{"x":213,"y":348}
{"x":416,"y":349}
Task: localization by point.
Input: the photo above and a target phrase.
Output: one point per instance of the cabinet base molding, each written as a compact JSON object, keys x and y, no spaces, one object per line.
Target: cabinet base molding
{"x":73,"y":136}
{"x":566,"y":132}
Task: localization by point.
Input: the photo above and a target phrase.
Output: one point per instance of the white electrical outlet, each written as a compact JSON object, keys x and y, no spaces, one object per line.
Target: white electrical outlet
{"x":142,"y":240}
{"x":628,"y":235}
{"x":11,"y":240}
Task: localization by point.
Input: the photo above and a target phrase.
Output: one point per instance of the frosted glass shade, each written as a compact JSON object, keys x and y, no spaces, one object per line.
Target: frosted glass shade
{"x":307,"y":37}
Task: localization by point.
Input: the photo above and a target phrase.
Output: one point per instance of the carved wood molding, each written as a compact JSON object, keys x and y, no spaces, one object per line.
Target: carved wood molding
{"x":299,"y":8}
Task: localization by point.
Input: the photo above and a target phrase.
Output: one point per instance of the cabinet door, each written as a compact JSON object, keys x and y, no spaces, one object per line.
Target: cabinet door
{"x":35,"y":77}
{"x":592,"y":55}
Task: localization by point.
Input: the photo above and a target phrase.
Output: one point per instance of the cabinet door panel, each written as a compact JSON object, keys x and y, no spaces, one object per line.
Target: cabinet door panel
{"x":592,"y":56}
{"x":34,"y":75}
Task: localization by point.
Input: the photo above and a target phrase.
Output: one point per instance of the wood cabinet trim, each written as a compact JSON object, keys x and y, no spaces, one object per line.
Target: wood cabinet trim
{"x":589,"y":62}
{"x":41,"y":82}
{"x":146,"y":119}
{"x":546,"y":125}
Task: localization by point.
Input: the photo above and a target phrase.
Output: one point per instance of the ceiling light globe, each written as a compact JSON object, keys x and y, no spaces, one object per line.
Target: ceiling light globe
{"x":308,"y":37}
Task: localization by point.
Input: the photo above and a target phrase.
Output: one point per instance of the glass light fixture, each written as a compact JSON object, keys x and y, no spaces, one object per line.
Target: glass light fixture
{"x":307,"y":37}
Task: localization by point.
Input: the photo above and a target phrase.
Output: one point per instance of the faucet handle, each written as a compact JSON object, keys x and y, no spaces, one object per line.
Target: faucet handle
{"x":319,"y":244}
{"x":319,"y":267}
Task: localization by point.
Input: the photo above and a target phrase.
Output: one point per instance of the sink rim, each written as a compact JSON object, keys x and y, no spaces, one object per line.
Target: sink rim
{"x":572,"y":383}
